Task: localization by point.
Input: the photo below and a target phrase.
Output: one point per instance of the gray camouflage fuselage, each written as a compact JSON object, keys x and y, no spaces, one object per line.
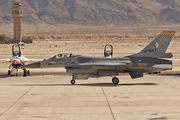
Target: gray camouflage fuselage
{"x":146,"y":61}
{"x":79,"y":65}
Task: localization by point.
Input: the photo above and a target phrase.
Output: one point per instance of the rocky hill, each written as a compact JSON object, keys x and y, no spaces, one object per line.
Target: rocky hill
{"x":95,"y":12}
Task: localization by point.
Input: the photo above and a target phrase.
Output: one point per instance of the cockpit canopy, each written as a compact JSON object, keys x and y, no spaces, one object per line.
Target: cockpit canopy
{"x":16,"y":50}
{"x":63,"y":55}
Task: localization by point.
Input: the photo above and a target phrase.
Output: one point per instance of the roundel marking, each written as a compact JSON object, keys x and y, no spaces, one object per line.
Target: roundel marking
{"x":156,"y":45}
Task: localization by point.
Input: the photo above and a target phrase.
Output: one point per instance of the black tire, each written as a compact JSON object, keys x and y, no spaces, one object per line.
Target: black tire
{"x":73,"y":82}
{"x":115,"y":80}
{"x":28,"y":72}
{"x":9,"y":72}
{"x":25,"y":73}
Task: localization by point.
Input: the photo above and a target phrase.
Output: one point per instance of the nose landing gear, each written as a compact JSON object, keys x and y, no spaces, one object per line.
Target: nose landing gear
{"x":73,"y":80}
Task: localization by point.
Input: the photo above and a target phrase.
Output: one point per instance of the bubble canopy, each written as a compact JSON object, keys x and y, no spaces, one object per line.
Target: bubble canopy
{"x":63,"y":55}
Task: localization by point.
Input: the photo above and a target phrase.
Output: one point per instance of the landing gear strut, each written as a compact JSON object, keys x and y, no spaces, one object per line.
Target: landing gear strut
{"x":25,"y":72}
{"x":115,"y":80}
{"x":73,"y":81}
{"x":12,"y":70}
{"x":28,"y":72}
{"x":9,"y":72}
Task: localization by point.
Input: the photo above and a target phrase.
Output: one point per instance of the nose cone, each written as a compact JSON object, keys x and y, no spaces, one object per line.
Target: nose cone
{"x":33,"y":65}
{"x":15,"y":62}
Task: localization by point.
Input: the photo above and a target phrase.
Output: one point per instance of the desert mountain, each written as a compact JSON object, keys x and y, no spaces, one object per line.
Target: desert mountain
{"x":95,"y":12}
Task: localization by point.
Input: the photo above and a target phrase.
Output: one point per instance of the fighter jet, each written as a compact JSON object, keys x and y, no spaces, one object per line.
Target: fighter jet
{"x":149,"y":60}
{"x":18,"y":60}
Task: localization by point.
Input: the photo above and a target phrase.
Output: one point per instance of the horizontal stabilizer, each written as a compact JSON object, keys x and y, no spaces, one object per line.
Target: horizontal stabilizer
{"x":136,"y":74}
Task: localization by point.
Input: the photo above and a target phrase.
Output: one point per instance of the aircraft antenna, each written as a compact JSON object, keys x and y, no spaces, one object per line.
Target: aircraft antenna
{"x":105,"y":33}
{"x":20,"y":44}
{"x":20,"y":40}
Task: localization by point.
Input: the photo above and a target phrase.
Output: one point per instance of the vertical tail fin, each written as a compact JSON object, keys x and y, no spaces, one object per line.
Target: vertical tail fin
{"x":158,"y":46}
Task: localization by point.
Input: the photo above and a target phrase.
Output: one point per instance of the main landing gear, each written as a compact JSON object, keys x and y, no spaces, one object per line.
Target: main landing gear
{"x":25,"y":72}
{"x":115,"y":80}
{"x":12,"y":70}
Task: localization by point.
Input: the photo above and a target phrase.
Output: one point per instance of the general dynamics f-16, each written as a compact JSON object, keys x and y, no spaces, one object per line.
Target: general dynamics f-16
{"x":17,"y":61}
{"x":149,"y":60}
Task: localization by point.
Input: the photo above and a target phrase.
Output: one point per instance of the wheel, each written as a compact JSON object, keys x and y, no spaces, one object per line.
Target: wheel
{"x":25,"y":73}
{"x":73,"y":82}
{"x":115,"y":80}
{"x":9,"y":72}
{"x":28,"y":72}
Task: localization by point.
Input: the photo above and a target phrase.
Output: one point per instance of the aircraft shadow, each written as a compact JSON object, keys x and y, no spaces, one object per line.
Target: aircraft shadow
{"x":113,"y":85}
{"x":5,"y":76}
{"x":9,"y":76}
{"x":91,"y":84}
{"x":174,"y":75}
{"x":169,"y":73}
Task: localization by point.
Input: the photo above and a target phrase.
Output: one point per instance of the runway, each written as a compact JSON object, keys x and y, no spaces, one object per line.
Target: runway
{"x":52,"y":97}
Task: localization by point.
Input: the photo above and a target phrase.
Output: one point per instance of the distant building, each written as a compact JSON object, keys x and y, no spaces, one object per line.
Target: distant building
{"x":17,"y":41}
{"x":59,"y":37}
{"x":119,"y":37}
{"x":151,"y":37}
{"x":89,"y":37}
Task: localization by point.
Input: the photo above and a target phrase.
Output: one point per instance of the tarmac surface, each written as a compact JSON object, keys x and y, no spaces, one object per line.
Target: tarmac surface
{"x":52,"y":97}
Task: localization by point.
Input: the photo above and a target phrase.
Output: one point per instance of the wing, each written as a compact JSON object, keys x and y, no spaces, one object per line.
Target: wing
{"x":5,"y":60}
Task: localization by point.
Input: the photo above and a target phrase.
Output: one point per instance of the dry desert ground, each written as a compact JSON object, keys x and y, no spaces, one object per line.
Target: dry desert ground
{"x":52,"y":97}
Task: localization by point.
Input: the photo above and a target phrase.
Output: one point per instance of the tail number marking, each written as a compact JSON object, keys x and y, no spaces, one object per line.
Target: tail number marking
{"x":150,"y":50}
